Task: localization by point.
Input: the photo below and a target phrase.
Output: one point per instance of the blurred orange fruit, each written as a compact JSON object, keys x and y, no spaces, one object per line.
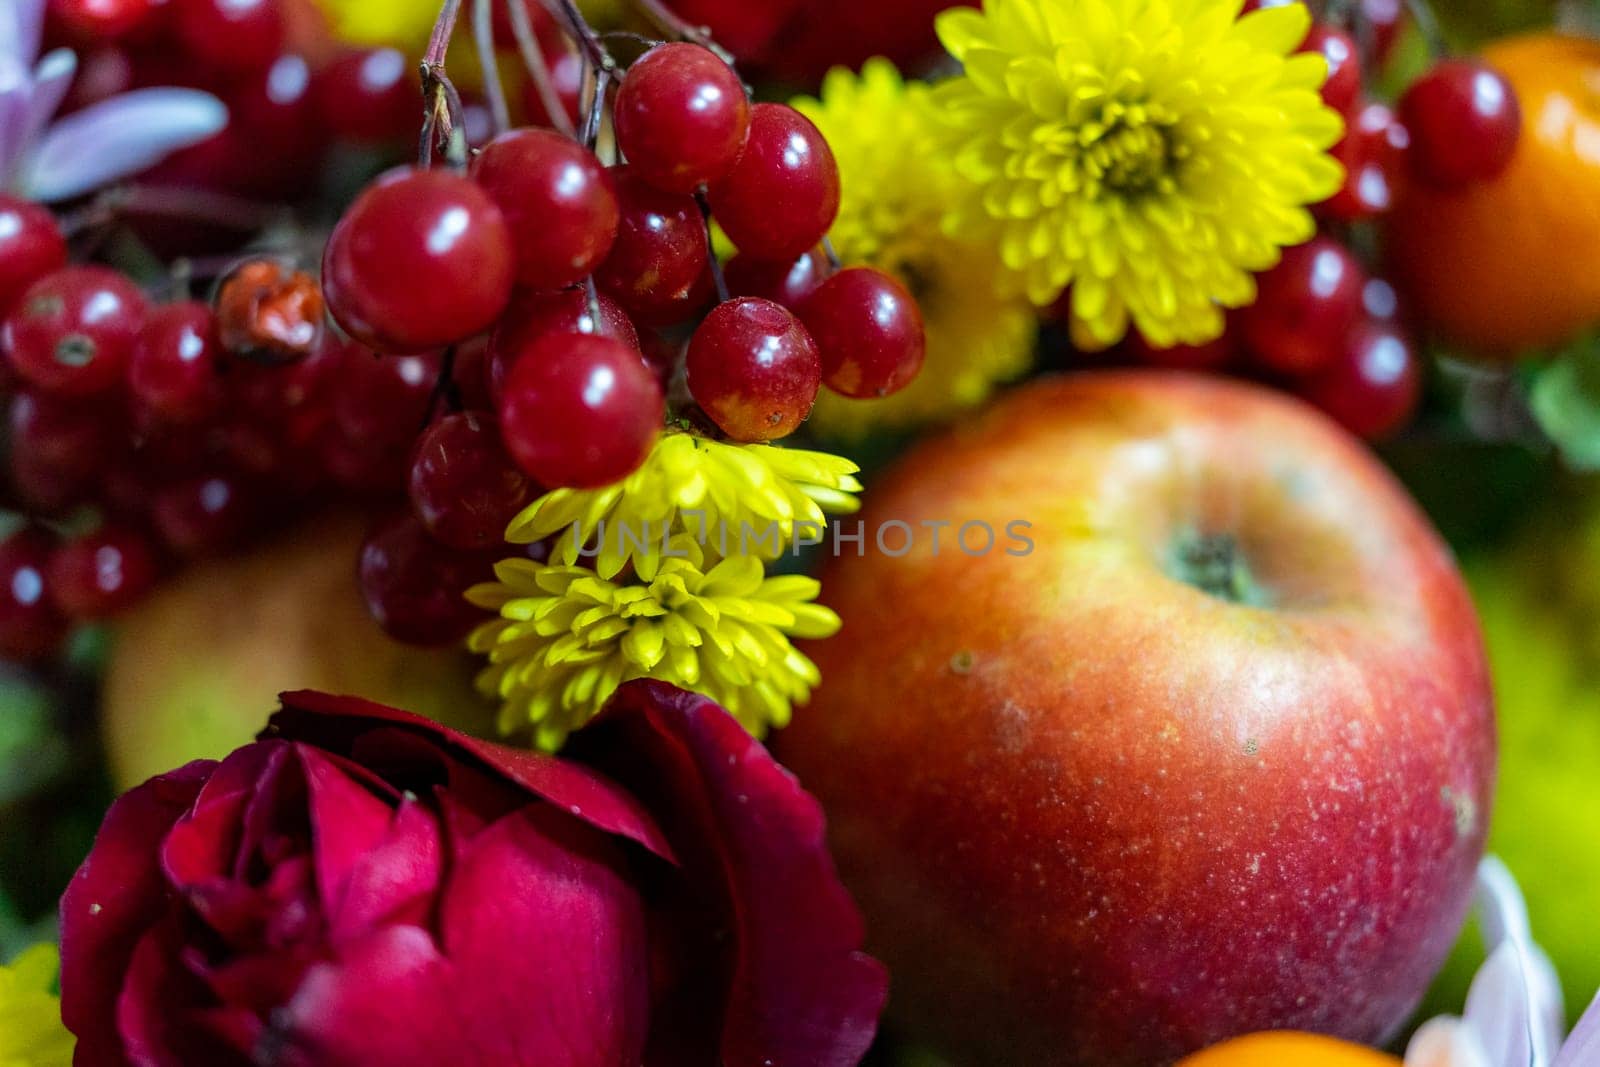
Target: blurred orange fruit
{"x":1512,"y":266}
{"x":1288,"y":1048}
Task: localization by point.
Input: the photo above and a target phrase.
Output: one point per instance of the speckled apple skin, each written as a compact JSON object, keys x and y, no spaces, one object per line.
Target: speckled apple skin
{"x":1095,"y":816}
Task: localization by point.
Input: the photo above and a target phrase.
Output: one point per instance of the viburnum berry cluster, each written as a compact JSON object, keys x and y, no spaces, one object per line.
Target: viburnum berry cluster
{"x":145,"y":433}
{"x":579,"y":308}
{"x":1325,"y":324}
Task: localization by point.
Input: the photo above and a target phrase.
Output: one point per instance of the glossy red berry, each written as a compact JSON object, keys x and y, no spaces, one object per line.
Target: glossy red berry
{"x":1373,"y":388}
{"x":98,"y":574}
{"x":204,"y":514}
{"x":382,"y":401}
{"x":57,"y":448}
{"x":783,"y":193}
{"x":869,"y":331}
{"x":1465,"y":122}
{"x":1342,"y":90}
{"x":754,"y":369}
{"x":786,"y":283}
{"x":414,"y":587}
{"x":534,"y":315}
{"x":31,"y":628}
{"x":1306,"y":308}
{"x":174,"y":370}
{"x":1373,"y":152}
{"x":681,"y":117}
{"x":661,"y":252}
{"x":31,"y":246}
{"x":422,"y":259}
{"x":370,"y":95}
{"x":231,"y":35}
{"x":580,"y":411}
{"x":74,"y":331}
{"x":98,"y":21}
{"x":558,"y":200}
{"x":464,"y":486}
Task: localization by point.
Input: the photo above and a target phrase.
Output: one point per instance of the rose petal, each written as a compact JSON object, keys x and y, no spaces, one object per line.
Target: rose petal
{"x":541,"y":964}
{"x":116,"y":138}
{"x":347,"y":822}
{"x":115,"y":896}
{"x":336,"y":723}
{"x":156,"y":1011}
{"x":205,"y":843}
{"x":801,"y":992}
{"x":400,"y":873}
{"x":1583,"y":1044}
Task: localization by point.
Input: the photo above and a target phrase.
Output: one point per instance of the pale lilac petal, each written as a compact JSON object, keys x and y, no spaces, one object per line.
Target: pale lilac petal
{"x":15,"y":93}
{"x":21,"y":27}
{"x":1446,"y":1042}
{"x":1518,"y":1008}
{"x":1583,"y":1046}
{"x":118,"y":137}
{"x":1498,"y":1010}
{"x":51,"y":80}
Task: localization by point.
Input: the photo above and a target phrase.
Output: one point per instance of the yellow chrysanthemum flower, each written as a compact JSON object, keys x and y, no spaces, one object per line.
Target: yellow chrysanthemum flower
{"x":731,"y":498}
{"x":897,"y":186}
{"x":31,"y":1031}
{"x":566,"y":638}
{"x":1151,"y":154}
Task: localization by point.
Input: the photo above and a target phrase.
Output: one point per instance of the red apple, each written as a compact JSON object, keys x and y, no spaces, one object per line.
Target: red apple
{"x":1215,"y":756}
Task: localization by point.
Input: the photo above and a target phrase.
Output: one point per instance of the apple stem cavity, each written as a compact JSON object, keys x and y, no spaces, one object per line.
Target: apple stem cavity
{"x":1215,"y":564}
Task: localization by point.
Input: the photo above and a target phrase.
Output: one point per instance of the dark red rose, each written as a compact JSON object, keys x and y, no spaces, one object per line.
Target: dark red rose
{"x":363,"y":886}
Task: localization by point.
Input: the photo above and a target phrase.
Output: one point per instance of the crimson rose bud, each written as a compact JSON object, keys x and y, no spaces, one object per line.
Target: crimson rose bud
{"x":362,"y":886}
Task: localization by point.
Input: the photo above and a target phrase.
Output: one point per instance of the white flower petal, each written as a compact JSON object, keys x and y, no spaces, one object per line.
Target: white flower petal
{"x":1518,"y":1009}
{"x":1583,"y":1046}
{"x":1446,"y":1042}
{"x":118,"y":137}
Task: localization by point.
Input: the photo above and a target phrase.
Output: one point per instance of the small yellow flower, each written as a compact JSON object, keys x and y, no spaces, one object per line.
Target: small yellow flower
{"x":897,"y":186}
{"x":566,"y":638}
{"x":731,"y":498}
{"x":1151,"y":154}
{"x":31,"y":1031}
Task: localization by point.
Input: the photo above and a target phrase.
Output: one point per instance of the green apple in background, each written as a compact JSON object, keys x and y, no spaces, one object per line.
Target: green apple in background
{"x":195,"y":671}
{"x":1539,"y":602}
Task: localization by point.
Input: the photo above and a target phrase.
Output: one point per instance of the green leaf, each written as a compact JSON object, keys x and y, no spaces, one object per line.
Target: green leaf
{"x":1565,"y":399}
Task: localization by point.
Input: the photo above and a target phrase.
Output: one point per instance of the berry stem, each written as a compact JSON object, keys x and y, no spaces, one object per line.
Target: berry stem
{"x":596,"y":107}
{"x":716,"y":265}
{"x":441,"y":102}
{"x":538,"y":68}
{"x":680,"y":29}
{"x":444,"y":388}
{"x":834,"y":263}
{"x":1422,"y":14}
{"x":493,"y":91}
{"x":196,"y":205}
{"x":593,"y":47}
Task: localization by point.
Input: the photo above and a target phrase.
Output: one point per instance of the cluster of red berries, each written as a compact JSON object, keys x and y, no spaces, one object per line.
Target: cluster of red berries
{"x":1322,"y":324}
{"x":156,"y":433}
{"x":549,"y":278}
{"x":290,"y":95}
